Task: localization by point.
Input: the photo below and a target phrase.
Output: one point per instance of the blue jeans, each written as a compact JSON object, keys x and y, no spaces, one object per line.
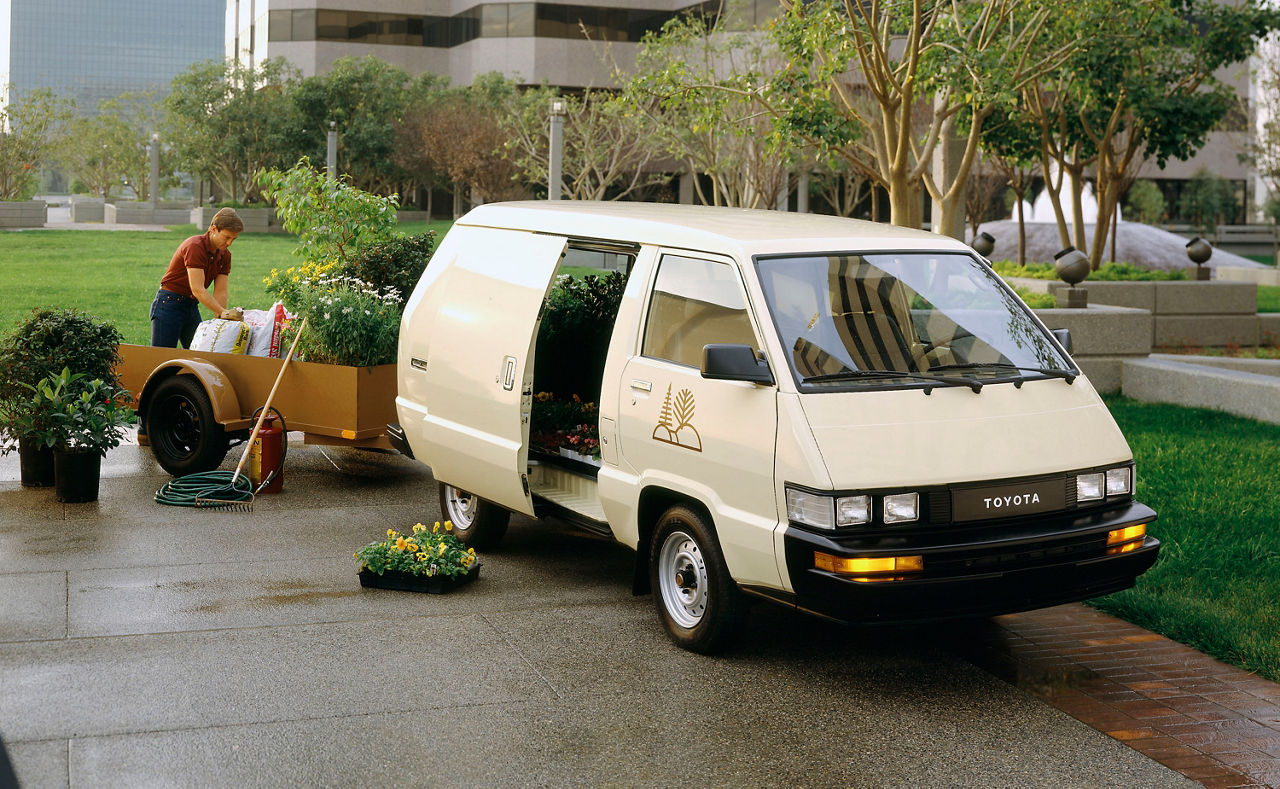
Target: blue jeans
{"x":174,"y":317}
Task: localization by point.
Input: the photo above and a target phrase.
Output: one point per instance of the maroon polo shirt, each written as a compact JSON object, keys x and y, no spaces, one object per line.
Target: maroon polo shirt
{"x":195,"y":252}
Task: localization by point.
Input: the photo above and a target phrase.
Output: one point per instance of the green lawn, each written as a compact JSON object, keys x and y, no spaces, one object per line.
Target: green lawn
{"x":1213,"y":480}
{"x":1269,"y":298}
{"x":114,"y":274}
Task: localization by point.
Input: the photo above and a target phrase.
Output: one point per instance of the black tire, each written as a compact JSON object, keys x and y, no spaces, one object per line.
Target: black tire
{"x":184,"y":436}
{"x":697,"y":600}
{"x":478,"y":523}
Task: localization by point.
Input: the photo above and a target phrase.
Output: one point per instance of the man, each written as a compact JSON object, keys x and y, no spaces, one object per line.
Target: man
{"x":197,"y":275}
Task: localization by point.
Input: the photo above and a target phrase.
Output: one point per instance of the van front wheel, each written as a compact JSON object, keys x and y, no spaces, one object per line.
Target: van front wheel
{"x":697,"y":600}
{"x":478,"y":523}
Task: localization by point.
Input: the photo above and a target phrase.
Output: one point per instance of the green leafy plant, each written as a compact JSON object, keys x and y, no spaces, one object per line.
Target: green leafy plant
{"x":395,"y":263}
{"x":42,"y":345}
{"x":331,"y":218}
{"x":68,"y":414}
{"x":1109,"y":272}
{"x":425,"y":552}
{"x":575,"y":332}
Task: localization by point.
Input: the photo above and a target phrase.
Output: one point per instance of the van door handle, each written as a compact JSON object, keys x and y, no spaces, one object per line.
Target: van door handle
{"x":643,"y":386}
{"x":509,"y":373}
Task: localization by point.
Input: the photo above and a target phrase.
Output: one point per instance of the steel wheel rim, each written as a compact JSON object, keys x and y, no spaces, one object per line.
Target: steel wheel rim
{"x":682,"y":579}
{"x":182,"y":428}
{"x":462,"y":507}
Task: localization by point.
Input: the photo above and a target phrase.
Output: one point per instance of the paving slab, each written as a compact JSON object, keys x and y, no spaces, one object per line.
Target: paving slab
{"x":211,"y":648}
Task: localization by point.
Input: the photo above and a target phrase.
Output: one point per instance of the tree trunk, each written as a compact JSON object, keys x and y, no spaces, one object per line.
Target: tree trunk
{"x":1022,"y":230}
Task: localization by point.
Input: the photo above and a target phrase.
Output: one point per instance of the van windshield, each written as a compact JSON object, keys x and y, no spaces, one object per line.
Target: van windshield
{"x":902,"y":319}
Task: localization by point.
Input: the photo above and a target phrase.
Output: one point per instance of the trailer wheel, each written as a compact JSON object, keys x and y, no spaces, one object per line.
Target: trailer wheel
{"x":184,"y":435}
{"x":697,"y":600}
{"x":476,"y":522}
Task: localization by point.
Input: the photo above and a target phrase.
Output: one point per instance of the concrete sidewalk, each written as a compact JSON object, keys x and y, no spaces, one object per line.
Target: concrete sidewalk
{"x":151,"y":645}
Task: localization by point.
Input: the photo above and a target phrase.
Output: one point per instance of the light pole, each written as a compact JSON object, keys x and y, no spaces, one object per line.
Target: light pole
{"x":554,"y":184}
{"x":154,"y":181}
{"x":331,"y":155}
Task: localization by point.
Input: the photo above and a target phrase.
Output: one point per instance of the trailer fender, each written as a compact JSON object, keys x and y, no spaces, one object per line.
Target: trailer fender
{"x":222,"y":395}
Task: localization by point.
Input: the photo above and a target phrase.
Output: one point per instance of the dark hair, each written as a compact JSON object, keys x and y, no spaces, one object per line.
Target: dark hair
{"x":227,"y":219}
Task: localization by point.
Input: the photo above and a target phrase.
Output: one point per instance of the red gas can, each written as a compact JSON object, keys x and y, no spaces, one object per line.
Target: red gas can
{"x":265,"y":454}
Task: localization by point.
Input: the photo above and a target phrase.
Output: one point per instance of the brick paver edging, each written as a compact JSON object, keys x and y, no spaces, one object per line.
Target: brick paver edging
{"x":1214,"y":723}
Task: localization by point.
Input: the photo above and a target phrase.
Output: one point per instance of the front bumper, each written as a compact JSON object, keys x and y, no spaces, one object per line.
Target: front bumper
{"x":983,"y":570}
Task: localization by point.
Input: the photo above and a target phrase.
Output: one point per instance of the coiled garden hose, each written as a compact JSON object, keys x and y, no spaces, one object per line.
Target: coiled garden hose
{"x":183,"y":491}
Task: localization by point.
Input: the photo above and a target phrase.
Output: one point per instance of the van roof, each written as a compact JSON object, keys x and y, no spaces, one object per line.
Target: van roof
{"x":749,"y":231}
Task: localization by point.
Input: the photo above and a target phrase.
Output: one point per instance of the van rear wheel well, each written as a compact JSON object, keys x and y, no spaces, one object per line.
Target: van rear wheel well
{"x":655,"y":501}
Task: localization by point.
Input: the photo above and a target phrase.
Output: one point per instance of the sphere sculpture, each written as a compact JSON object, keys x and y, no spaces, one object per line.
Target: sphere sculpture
{"x":984,"y":243}
{"x":1199,"y":250}
{"x":1071,"y":265}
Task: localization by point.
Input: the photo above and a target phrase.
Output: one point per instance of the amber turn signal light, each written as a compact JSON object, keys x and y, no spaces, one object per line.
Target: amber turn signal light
{"x":863,"y":564}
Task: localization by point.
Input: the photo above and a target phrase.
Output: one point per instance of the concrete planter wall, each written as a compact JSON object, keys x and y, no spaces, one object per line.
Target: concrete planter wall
{"x":87,"y":209}
{"x":256,"y":220}
{"x":145,"y":214}
{"x":1213,"y":313}
{"x":23,"y":213}
{"x":1258,"y":276}
{"x":1103,"y":338}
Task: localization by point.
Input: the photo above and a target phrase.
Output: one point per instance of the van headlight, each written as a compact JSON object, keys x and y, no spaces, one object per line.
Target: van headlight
{"x":823,"y":511}
{"x":901,"y":507}
{"x":1097,"y":485}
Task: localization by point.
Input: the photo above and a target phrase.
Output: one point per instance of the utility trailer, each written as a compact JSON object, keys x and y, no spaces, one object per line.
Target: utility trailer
{"x":195,"y":405}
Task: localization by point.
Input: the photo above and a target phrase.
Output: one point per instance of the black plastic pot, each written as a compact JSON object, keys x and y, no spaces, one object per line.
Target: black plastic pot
{"x":36,"y":464}
{"x":76,"y":475}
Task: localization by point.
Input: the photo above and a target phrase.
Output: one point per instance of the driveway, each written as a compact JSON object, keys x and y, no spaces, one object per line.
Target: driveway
{"x":145,"y":645}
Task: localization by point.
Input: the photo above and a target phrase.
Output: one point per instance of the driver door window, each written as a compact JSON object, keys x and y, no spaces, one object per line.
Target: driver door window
{"x":695,"y":302}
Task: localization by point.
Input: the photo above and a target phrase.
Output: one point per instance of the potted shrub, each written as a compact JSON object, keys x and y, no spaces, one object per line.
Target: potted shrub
{"x":426,"y":560}
{"x":79,"y":422}
{"x":37,"y":347}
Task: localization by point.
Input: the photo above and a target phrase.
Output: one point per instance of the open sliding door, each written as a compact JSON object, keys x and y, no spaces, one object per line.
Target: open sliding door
{"x":480,"y":370}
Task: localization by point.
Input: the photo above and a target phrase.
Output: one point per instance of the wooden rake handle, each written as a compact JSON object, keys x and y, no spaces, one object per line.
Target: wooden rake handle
{"x":266,"y":407}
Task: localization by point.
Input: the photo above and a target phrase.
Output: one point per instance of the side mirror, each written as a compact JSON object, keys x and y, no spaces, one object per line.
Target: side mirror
{"x":734,"y":363}
{"x":1063,"y":337}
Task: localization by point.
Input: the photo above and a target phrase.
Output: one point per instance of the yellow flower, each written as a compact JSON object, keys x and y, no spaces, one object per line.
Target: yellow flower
{"x":448,"y":525}
{"x":392,"y":533}
{"x":435,"y":528}
{"x":418,"y":528}
{"x":422,"y":557}
{"x":401,"y":543}
{"x":442,"y":548}
{"x":412,"y":547}
{"x":467,"y":560}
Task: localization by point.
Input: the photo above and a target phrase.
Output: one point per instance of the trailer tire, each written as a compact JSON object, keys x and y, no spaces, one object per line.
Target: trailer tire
{"x":478,"y":523}
{"x":184,"y":436}
{"x":697,"y":600}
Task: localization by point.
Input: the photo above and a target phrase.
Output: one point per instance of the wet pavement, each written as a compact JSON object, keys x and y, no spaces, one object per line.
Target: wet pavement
{"x":150,"y":645}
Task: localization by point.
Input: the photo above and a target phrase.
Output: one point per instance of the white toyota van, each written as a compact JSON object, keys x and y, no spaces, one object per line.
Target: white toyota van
{"x":856,"y":420}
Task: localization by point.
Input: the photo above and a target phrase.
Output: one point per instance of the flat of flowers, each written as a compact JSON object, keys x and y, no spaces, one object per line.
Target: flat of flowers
{"x":409,"y":582}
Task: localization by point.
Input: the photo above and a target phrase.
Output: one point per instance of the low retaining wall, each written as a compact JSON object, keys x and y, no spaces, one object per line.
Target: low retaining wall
{"x":1206,"y":384}
{"x":87,"y":209}
{"x":1103,"y":338}
{"x":256,"y":220}
{"x":23,"y":213}
{"x":1205,"y":313}
{"x":145,"y":214}
{"x":1258,"y":276}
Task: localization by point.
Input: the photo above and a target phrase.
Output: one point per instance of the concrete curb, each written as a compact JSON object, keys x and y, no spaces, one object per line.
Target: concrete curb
{"x":1161,"y":379}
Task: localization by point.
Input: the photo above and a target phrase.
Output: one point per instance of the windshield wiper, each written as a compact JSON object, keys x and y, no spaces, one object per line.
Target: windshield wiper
{"x":1066,"y":375}
{"x":850,"y":375}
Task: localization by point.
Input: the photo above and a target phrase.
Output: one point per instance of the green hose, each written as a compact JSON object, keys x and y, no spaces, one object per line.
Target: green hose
{"x":219,"y":485}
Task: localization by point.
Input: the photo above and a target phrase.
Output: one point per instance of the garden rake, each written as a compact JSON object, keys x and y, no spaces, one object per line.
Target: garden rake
{"x":215,"y":489}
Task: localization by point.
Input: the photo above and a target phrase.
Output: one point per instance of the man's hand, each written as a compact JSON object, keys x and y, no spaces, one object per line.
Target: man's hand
{"x":232,"y":314}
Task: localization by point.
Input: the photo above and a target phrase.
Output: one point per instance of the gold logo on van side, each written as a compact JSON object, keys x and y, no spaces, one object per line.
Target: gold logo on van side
{"x":684,"y":434}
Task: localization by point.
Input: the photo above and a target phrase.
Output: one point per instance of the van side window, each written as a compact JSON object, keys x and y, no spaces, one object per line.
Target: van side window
{"x":695,"y":302}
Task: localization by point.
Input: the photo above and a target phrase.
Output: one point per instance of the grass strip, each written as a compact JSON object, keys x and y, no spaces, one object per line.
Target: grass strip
{"x":1212,"y":477}
{"x":114,"y":274}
